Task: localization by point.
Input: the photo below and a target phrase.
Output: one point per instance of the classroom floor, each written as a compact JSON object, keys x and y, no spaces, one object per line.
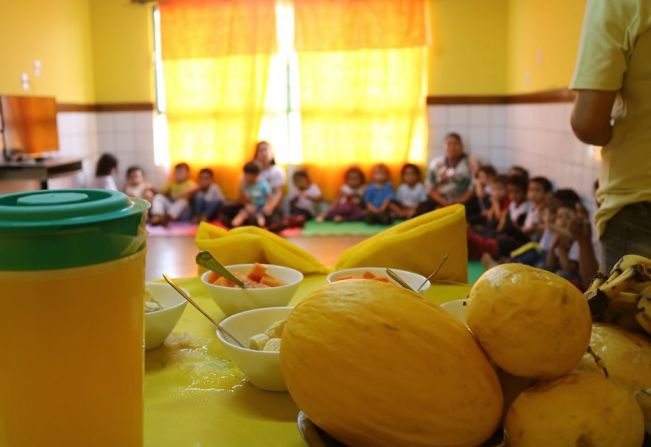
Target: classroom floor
{"x":175,"y":255}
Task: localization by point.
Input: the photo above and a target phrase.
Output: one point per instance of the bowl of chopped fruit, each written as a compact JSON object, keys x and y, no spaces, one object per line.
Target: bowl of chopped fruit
{"x":417,"y":282}
{"x":260,"y":332}
{"x":163,"y":308}
{"x":266,"y":285}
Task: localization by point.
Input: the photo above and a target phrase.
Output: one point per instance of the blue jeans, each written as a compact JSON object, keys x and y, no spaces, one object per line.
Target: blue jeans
{"x":202,"y":208}
{"x":629,"y":232}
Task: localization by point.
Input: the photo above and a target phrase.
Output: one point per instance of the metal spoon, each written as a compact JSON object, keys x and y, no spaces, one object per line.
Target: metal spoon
{"x":206,"y":260}
{"x":221,"y":330}
{"x":436,"y":270}
{"x":394,"y":276}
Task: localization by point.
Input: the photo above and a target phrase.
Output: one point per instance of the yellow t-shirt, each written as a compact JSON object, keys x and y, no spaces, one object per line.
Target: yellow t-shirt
{"x":615,"y":55}
{"x":174,"y":189}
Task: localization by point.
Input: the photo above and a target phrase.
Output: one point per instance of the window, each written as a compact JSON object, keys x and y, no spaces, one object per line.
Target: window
{"x":281,"y":120}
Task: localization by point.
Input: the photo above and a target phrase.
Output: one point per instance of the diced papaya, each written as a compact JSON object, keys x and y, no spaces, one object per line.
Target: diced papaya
{"x":270,"y":281}
{"x":257,"y":272}
{"x":212,"y":277}
{"x":368,"y":275}
{"x":221,"y":281}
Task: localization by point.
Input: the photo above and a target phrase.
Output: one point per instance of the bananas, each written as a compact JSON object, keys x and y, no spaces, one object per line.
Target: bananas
{"x":624,"y":297}
{"x":628,"y":261}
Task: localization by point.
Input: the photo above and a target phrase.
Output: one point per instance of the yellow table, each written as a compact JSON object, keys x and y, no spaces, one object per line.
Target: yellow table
{"x":195,"y":396}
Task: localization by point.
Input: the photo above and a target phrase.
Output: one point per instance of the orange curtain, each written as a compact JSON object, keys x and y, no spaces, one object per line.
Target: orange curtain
{"x":216,"y":57}
{"x":363,"y":81}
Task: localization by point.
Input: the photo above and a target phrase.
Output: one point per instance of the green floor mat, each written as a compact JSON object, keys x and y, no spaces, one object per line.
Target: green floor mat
{"x":341,"y":229}
{"x":475,"y":270}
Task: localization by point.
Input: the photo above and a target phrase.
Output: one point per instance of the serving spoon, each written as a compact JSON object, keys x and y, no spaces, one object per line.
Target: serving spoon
{"x":221,"y":330}
{"x":393,"y":275}
{"x":207,"y":260}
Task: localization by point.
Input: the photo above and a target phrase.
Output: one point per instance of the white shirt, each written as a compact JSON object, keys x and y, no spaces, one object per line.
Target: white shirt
{"x":532,"y":218}
{"x":211,"y":195}
{"x":303,"y":202}
{"x":411,"y":197}
{"x":274,"y":175}
{"x":104,"y":182}
{"x":517,"y":211}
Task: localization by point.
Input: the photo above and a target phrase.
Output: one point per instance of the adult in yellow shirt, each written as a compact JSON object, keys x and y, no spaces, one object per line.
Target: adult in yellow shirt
{"x":613,"y":110}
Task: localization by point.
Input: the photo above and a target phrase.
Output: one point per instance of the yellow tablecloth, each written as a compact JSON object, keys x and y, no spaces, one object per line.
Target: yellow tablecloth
{"x":195,"y":397}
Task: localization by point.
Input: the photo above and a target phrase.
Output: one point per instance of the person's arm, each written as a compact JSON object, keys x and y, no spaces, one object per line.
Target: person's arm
{"x":314,"y":195}
{"x":591,"y":117}
{"x":564,"y":261}
{"x":438,"y":198}
{"x":244,"y":197}
{"x":552,"y":261}
{"x":274,"y":200}
{"x":609,"y":35}
{"x":465,"y":198}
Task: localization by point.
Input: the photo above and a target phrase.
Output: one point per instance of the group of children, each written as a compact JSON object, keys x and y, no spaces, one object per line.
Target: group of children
{"x":514,"y":218}
{"x":511,"y":217}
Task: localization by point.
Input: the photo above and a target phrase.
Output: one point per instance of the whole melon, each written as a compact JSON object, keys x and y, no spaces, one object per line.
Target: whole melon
{"x":374,"y":364}
{"x":626,"y":356}
{"x":580,"y":409}
{"x":531,"y":323}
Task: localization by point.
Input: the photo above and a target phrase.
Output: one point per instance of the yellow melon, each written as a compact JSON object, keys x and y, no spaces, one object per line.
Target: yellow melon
{"x":531,"y":323}
{"x":580,"y":409}
{"x":626,"y":356}
{"x":374,"y":364}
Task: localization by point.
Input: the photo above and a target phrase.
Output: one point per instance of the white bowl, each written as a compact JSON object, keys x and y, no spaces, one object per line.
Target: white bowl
{"x":457,"y":308}
{"x":159,"y":323}
{"x":414,"y":280}
{"x":261,"y":368}
{"x":232,"y":300}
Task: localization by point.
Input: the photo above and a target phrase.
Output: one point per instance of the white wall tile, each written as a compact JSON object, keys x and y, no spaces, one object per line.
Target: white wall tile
{"x":143,"y":121}
{"x":124,"y":122}
{"x":458,"y":116}
{"x":480,"y":115}
{"x":105,"y":122}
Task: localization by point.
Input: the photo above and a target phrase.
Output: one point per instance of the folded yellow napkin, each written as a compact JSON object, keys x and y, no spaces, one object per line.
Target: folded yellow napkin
{"x":252,"y":244}
{"x":417,"y":245}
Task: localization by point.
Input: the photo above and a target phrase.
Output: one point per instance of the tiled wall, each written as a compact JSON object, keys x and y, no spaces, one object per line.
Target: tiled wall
{"x":130,"y":137}
{"x":127,"y":135}
{"x":536,"y":136}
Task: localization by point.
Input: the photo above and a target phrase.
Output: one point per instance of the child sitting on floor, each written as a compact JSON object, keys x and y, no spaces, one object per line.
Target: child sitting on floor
{"x":499,"y":206}
{"x":348,"y":206}
{"x":105,"y":170}
{"x":519,"y":206}
{"x":254,"y":194}
{"x":378,"y":195}
{"x":410,"y":193}
{"x":537,"y":194}
{"x":303,"y":200}
{"x":174,"y":201}
{"x":208,"y":198}
{"x":137,"y":186}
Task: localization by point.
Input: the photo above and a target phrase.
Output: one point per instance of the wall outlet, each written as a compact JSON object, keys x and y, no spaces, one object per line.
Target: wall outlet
{"x":37,"y":67}
{"x":539,"y":56}
{"x":24,"y":81}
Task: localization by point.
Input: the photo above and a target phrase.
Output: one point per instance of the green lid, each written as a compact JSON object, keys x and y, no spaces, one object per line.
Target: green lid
{"x":43,"y":230}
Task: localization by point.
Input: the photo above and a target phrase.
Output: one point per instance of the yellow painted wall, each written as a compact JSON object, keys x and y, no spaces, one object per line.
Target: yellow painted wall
{"x":549,"y":28}
{"x":122,"y":51}
{"x":58,"y":33}
{"x":468,"y":47}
